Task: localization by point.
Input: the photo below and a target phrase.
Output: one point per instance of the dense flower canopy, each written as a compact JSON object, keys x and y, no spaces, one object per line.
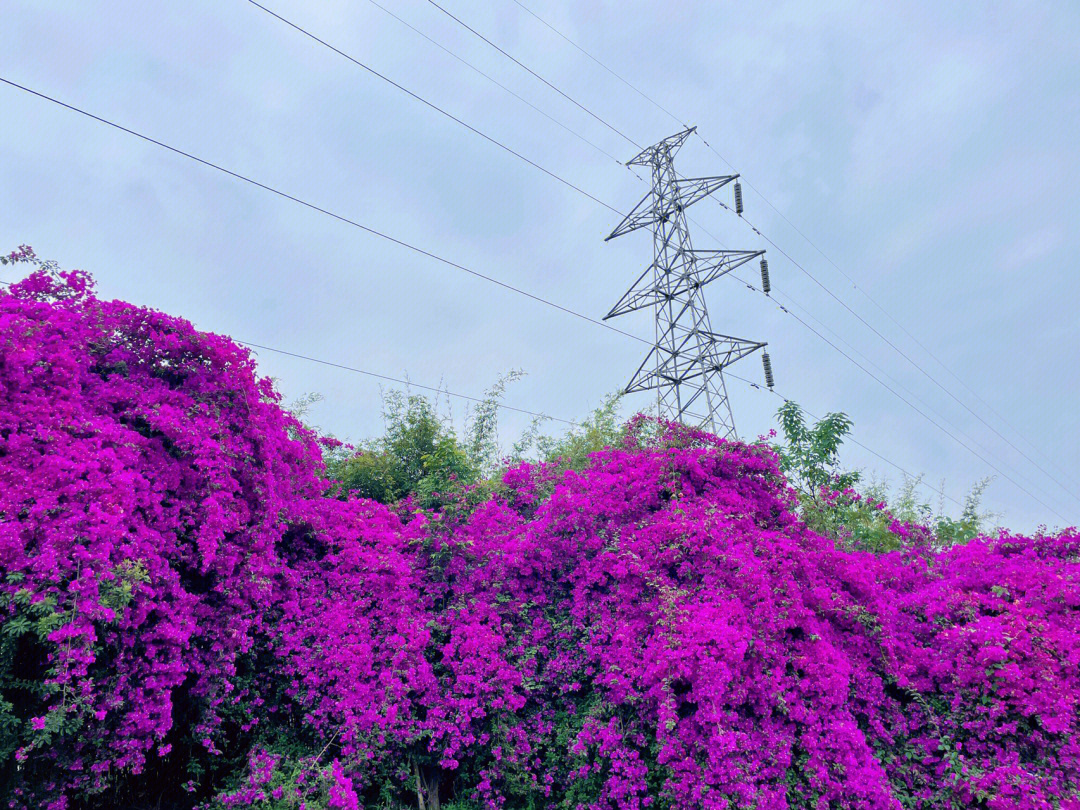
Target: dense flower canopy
{"x":657,"y":630}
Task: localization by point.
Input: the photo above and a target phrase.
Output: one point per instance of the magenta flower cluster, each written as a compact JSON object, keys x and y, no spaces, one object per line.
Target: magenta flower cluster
{"x":658,"y":630}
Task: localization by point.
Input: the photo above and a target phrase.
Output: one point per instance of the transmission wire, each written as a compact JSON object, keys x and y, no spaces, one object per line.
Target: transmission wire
{"x":407,"y":383}
{"x":436,"y":257}
{"x":321,"y":210}
{"x":918,"y":410}
{"x":496,"y":82}
{"x":912,"y":362}
{"x":612,"y":208}
{"x":904,"y":329}
{"x":793,"y":303}
{"x":605,"y":67}
{"x":601,"y":202}
{"x":435,"y":107}
{"x":532,"y":72}
{"x":680,"y":121}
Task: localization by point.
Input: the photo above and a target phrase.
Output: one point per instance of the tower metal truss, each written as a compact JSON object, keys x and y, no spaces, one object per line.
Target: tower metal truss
{"x":686,"y":363}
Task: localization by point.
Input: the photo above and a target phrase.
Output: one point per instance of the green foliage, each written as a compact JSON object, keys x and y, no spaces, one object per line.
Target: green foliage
{"x":419,"y":454}
{"x":482,"y":428}
{"x":22,"y":634}
{"x":834,"y":504}
{"x":810,"y":455}
{"x":603,"y":428}
{"x":116,"y":593}
{"x":301,"y":409}
{"x":23,"y":645}
{"x":286,"y":776}
{"x":971,"y":523}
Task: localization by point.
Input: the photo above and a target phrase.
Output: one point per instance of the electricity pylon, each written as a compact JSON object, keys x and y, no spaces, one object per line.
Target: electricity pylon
{"x":687,"y":360}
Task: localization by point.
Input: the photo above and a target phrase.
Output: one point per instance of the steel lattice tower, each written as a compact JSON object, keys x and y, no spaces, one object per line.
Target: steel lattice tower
{"x":687,"y":360}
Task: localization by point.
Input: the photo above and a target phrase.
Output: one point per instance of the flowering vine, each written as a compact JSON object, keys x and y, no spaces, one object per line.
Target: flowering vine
{"x":181,"y":599}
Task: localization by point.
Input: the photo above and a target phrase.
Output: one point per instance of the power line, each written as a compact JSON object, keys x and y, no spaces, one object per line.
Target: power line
{"x":388,"y":378}
{"x":922,"y":413}
{"x":605,"y":67}
{"x":889,"y":388}
{"x":414,"y":248}
{"x":408,"y":383}
{"x":496,"y":82}
{"x":532,"y":72}
{"x":327,"y":212}
{"x":435,"y":107}
{"x":815,"y":280}
{"x":897,"y":349}
{"x":353,"y":369}
{"x":793,"y":303}
{"x":889,"y":315}
{"x":912,"y":362}
{"x":896,"y":322}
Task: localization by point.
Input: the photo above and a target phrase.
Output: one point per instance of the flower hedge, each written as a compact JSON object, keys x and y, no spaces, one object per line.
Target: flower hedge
{"x":182,"y":607}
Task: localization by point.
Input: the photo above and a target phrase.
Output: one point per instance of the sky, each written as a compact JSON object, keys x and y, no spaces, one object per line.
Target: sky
{"x":927,"y":150}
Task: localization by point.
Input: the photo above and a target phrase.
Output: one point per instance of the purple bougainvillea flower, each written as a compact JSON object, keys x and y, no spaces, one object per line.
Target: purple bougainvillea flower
{"x":657,"y":629}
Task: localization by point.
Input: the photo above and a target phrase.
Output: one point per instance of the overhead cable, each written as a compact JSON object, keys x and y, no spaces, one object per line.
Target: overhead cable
{"x":422,"y":251}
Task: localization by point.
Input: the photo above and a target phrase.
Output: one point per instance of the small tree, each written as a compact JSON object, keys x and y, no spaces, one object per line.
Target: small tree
{"x":810,"y":455}
{"x":419,"y":454}
{"x":832,"y":506}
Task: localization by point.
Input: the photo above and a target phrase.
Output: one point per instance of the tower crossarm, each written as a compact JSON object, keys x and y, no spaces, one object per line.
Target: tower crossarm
{"x":726,"y":350}
{"x":653,"y":209}
{"x":694,"y":356}
{"x":711,"y":264}
{"x":690,"y":190}
{"x":665,"y":149}
{"x":642,"y":216}
{"x":696,"y":269}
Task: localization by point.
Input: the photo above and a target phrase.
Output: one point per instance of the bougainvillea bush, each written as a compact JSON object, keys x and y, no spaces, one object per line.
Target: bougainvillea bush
{"x":187,"y":618}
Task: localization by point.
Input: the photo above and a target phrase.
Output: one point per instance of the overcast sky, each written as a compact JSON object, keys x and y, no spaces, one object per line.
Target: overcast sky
{"x":928,"y":149}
